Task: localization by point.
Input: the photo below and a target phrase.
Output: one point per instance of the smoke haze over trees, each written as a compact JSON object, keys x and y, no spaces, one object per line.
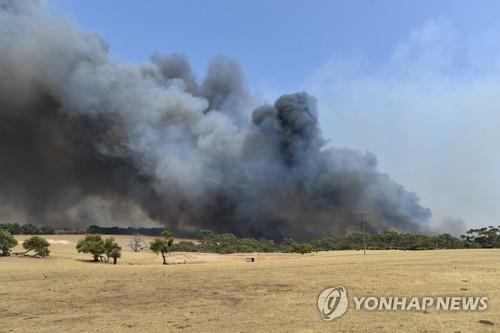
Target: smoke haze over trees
{"x":85,"y":140}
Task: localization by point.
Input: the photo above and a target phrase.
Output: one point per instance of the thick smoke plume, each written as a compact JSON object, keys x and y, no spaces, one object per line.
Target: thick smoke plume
{"x":85,"y":140}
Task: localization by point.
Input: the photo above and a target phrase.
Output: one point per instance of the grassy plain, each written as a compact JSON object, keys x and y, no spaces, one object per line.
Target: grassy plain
{"x":223,"y":293}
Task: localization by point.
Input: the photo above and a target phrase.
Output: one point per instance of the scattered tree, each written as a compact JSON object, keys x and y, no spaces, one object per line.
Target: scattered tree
{"x":137,"y":243}
{"x":92,"y":244}
{"x":37,"y":244}
{"x":115,"y":254}
{"x":7,"y":242}
{"x":162,"y":245}
{"x":112,"y":250}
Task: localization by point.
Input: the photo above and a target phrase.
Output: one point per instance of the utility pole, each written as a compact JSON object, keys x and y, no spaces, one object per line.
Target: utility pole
{"x":362,"y":213}
{"x":364,"y":235}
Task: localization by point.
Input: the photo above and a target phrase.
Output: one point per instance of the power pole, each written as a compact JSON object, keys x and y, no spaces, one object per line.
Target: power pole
{"x":364,"y":235}
{"x":362,"y":213}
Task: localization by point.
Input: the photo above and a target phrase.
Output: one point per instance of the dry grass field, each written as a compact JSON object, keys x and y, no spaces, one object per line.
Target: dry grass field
{"x":222,"y":293}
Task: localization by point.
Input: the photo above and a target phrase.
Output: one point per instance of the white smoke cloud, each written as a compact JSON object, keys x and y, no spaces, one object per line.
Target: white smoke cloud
{"x":430,"y":113}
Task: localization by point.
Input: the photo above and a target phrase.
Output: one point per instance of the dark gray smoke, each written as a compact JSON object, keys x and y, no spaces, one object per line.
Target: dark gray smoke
{"x":84,"y":140}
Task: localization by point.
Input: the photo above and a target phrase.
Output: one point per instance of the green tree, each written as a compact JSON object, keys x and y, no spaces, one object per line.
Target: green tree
{"x":301,"y":248}
{"x":163,"y":245}
{"x":486,"y":237}
{"x":47,"y":230}
{"x":30,"y":229}
{"x":37,"y":244}
{"x":184,"y":246}
{"x":208,"y":238}
{"x":92,"y":244}
{"x":112,"y":249}
{"x":13,"y":228}
{"x":447,"y":241}
{"x":7,"y":242}
{"x":115,"y":254}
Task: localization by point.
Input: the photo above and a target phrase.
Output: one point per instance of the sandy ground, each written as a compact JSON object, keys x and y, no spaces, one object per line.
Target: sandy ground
{"x":223,"y":293}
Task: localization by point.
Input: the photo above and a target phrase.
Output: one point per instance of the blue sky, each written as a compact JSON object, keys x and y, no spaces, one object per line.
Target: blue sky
{"x":415,"y":82}
{"x":277,"y":42}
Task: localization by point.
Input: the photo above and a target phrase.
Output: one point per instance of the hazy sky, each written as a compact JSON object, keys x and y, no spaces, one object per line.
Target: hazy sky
{"x":415,"y":82}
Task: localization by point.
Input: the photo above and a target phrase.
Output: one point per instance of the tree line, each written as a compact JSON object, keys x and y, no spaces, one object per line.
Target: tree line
{"x":209,"y":241}
{"x":488,"y":237}
{"x":27,"y":229}
{"x":32,"y":229}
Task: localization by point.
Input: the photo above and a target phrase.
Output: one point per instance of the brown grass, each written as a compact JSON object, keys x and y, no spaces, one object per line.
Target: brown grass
{"x":222,"y":293}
